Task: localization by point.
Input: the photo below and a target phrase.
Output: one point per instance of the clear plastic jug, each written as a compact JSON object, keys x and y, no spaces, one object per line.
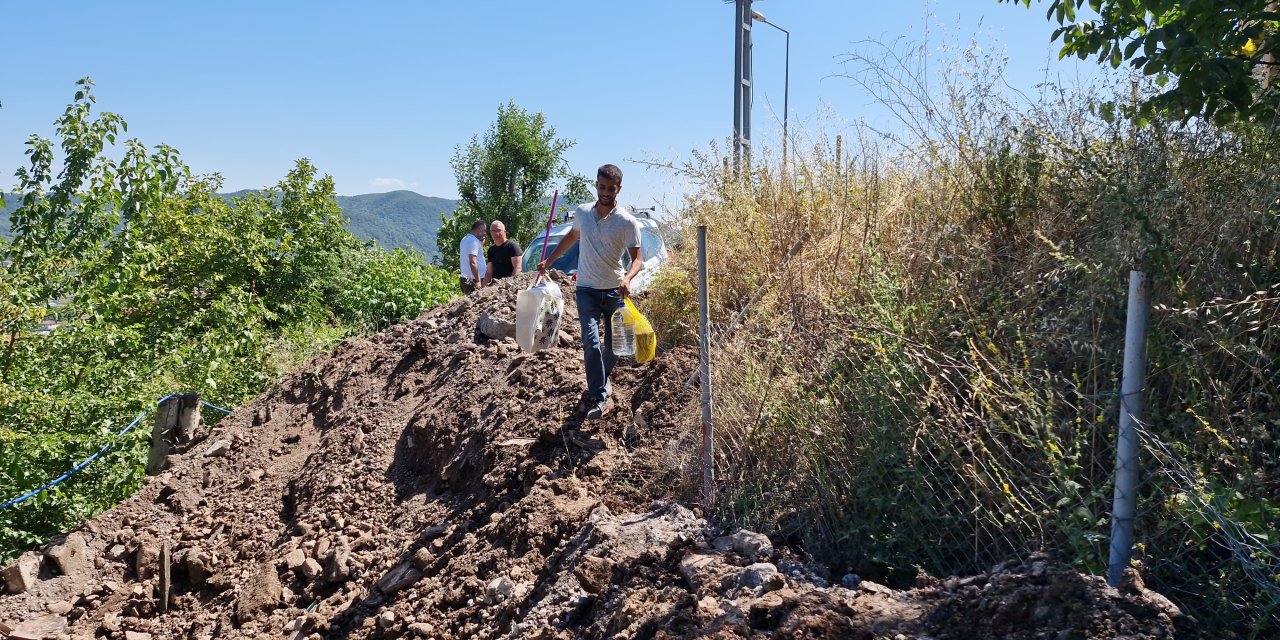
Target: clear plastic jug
{"x":624,"y":331}
{"x":538,"y":311}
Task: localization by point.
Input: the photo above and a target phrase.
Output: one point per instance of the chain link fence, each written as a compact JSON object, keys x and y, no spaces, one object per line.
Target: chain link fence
{"x":885,"y":452}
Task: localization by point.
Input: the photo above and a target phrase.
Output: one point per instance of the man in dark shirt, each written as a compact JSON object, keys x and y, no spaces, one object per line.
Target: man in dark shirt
{"x":504,"y":253}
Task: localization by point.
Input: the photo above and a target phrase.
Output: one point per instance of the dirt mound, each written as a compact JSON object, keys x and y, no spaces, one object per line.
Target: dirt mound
{"x":431,"y":482}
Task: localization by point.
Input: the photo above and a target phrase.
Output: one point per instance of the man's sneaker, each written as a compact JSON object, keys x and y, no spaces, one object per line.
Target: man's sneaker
{"x":601,"y":410}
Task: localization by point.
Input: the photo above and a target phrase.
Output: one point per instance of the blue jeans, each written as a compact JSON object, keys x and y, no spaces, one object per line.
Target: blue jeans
{"x":595,"y":314}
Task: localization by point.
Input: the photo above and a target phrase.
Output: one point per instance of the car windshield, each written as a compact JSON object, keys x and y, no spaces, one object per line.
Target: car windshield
{"x":567,"y":263}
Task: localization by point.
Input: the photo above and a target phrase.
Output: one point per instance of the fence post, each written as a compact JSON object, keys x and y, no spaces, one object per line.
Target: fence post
{"x":1132,"y":381}
{"x":704,"y":369}
{"x":188,"y":418}
{"x":177,"y":418}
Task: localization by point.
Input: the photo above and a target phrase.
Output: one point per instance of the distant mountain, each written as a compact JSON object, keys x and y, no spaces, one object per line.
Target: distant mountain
{"x":392,"y":219}
{"x":397,"y":218}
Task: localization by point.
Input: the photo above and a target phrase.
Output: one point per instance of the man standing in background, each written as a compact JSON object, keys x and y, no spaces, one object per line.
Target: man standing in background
{"x":504,"y":253}
{"x":471,"y":264}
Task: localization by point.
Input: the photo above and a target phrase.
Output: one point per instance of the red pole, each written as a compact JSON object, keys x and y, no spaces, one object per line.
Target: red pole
{"x":547,"y":236}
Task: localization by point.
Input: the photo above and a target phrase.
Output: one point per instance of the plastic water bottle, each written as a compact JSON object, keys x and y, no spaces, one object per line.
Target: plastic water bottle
{"x":624,"y":331}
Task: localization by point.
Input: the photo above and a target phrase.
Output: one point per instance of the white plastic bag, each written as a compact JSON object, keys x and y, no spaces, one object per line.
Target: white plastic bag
{"x":538,"y":312}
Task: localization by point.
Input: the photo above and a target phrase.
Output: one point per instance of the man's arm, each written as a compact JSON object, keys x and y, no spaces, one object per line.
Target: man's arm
{"x":637,"y":264}
{"x":570,"y":239}
{"x":475,"y":270}
{"x":488,"y":273}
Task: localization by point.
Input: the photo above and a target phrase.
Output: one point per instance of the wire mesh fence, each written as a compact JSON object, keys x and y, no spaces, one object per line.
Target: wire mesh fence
{"x":884,"y":452}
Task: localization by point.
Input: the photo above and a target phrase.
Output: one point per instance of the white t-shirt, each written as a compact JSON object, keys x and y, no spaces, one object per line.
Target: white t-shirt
{"x":469,"y":246}
{"x":602,"y":245}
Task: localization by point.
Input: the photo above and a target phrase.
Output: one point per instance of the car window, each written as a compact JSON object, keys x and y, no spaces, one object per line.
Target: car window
{"x":650,"y":243}
{"x":568,"y":263}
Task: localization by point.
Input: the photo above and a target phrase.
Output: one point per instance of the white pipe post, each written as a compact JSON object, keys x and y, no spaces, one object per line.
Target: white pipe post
{"x":704,"y":368}
{"x":1132,"y":382}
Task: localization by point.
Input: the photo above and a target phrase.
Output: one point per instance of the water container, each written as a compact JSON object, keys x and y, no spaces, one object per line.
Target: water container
{"x":538,"y":311}
{"x":624,"y":331}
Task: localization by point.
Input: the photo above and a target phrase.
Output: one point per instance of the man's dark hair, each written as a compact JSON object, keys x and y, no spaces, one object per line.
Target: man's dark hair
{"x":477,"y":224}
{"x":610,"y":171}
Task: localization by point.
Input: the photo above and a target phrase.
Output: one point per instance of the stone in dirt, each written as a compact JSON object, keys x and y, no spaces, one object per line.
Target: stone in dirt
{"x":498,"y":590}
{"x":42,"y":628}
{"x":71,"y":555}
{"x":23,"y":573}
{"x":594,"y":574}
{"x":403,"y":575}
{"x":136,"y":635}
{"x":260,"y":594}
{"x":758,"y":574}
{"x":146,"y":562}
{"x":294,"y":559}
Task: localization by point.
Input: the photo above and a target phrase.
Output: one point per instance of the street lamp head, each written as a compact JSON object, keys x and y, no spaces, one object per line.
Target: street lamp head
{"x":757,"y":16}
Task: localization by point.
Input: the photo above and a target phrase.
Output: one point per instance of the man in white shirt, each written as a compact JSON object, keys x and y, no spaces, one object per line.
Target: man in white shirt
{"x":607,"y":234}
{"x":471,"y":264}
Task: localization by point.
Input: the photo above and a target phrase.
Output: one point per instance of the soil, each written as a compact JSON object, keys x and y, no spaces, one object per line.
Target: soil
{"x":430,"y":482}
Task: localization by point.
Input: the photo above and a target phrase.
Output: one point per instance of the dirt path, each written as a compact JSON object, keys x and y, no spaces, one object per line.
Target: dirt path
{"x":427,"y":482}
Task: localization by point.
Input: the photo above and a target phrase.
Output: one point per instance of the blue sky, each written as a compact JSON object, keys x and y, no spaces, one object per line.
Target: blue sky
{"x":378,"y":94}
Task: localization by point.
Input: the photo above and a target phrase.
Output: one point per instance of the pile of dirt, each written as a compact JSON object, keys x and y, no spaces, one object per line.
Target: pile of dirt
{"x":431,"y":482}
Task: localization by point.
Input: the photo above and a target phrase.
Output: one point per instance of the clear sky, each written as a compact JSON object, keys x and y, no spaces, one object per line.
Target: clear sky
{"x":378,"y":94}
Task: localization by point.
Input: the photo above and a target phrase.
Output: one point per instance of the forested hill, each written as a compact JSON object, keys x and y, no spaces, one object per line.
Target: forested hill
{"x":393,"y":219}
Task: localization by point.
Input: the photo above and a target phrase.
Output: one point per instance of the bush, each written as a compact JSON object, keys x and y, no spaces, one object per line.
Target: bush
{"x":933,"y":379}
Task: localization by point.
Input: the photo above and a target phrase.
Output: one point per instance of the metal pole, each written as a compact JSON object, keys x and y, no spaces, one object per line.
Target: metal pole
{"x":1132,"y":382}
{"x":786,"y":95}
{"x":704,"y":367}
{"x":741,"y":82}
{"x":733,"y":326}
{"x":737,"y":83}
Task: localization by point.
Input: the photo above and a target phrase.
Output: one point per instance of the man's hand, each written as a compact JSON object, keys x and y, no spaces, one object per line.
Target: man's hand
{"x":624,"y":289}
{"x":542,"y":268}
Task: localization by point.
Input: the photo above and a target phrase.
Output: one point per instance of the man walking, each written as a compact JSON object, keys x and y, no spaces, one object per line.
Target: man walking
{"x":504,"y":253}
{"x":471,"y":266}
{"x":607,"y":233}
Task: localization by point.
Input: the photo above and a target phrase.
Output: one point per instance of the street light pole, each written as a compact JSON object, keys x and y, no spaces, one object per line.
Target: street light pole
{"x":786,"y":81}
{"x":742,"y":83}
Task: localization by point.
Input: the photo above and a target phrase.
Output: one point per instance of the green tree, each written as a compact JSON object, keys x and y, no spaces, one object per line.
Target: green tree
{"x":1222,"y":54}
{"x":507,"y":174}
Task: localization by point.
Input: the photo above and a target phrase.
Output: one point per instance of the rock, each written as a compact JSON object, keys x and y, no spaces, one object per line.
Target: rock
{"x":403,"y":575}
{"x":357,"y":443}
{"x":136,"y":635}
{"x":422,"y":558}
{"x":310,"y":568}
{"x":872,"y":587}
{"x":422,"y":629}
{"x":337,"y":565}
{"x":294,"y":559}
{"x":61,"y":608}
{"x":71,"y":555}
{"x":758,"y":574}
{"x":23,"y":573}
{"x":117,"y":552}
{"x":850,"y":581}
{"x":260,"y":594}
{"x":322,"y":548}
{"x":751,"y":544}
{"x":498,"y":590}
{"x":694,"y":568}
{"x":50,"y":626}
{"x":147,"y":560}
{"x":386,"y":619}
{"x":218,"y":448}
{"x":252,"y":478}
{"x":594,"y":574}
